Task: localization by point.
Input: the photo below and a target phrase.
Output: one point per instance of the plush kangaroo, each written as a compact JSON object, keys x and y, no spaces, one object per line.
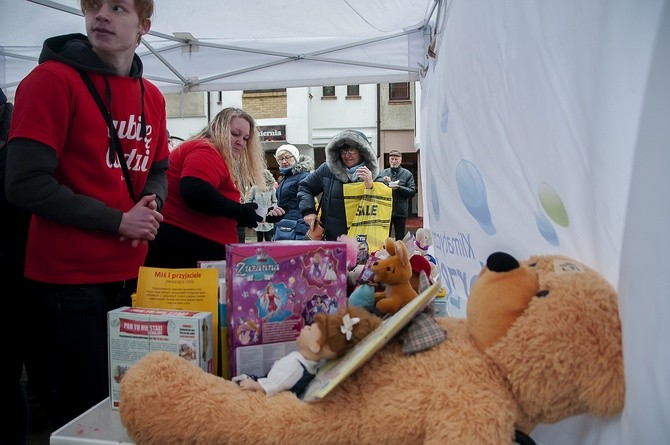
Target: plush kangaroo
{"x":395,"y":273}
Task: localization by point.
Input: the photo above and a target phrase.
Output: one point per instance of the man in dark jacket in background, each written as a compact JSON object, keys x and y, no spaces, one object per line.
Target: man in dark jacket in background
{"x":402,"y":182}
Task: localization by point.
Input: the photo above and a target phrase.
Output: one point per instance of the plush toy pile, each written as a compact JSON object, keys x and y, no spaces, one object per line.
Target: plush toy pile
{"x":541,"y":342}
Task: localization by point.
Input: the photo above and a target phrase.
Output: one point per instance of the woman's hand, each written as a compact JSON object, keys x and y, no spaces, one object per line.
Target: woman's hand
{"x":309,"y":219}
{"x":366,"y":176}
{"x":275,"y":214}
{"x":276,"y":211}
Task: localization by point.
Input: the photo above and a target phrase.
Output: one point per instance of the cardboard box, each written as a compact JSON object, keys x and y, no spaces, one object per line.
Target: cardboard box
{"x":273,"y":289}
{"x":135,"y":331}
{"x":224,"y":366}
{"x":441,"y":303}
{"x":189,"y":289}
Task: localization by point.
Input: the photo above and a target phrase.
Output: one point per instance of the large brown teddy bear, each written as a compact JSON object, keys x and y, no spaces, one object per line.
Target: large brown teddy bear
{"x":541,"y":342}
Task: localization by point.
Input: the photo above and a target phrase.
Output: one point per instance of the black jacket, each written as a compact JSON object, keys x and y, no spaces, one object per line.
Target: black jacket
{"x":328,"y":180}
{"x":16,"y":221}
{"x":406,"y":189}
{"x":287,"y":192}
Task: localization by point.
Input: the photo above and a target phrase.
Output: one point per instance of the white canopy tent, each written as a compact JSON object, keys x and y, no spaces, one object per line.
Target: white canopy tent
{"x":210,"y":45}
{"x":544,"y":129}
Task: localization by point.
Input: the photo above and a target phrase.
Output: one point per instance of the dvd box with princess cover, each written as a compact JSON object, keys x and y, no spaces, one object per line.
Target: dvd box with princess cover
{"x":273,"y":289}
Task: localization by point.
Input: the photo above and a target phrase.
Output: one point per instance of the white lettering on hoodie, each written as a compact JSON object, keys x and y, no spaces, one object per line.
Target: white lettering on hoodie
{"x":131,"y":130}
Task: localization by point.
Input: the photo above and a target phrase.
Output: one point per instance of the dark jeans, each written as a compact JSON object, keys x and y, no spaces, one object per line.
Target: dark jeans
{"x":14,"y":424}
{"x":69,"y":345}
{"x":13,"y":238}
{"x":264,"y":236}
{"x":398,"y":224}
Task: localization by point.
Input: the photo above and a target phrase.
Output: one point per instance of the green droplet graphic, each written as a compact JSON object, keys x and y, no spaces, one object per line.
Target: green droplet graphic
{"x":553,"y":205}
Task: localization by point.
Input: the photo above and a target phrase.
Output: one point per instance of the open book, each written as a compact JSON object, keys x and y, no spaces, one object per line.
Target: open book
{"x":335,"y":371}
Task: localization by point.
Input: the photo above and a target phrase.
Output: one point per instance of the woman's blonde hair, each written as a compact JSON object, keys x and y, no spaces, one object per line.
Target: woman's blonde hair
{"x":246,"y":171}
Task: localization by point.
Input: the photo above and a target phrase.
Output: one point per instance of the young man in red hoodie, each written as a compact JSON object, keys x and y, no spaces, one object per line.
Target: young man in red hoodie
{"x":81,"y":117}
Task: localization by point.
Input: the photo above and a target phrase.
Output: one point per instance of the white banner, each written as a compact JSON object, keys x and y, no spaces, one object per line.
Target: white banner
{"x":530,"y":118}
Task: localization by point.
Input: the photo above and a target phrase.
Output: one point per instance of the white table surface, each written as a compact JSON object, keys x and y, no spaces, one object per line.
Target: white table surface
{"x":99,"y":425}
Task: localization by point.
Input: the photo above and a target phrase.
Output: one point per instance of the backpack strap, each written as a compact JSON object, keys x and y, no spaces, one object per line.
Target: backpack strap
{"x":115,"y":142}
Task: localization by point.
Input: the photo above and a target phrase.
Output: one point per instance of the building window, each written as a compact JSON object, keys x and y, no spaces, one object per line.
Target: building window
{"x":352,"y":90}
{"x":329,"y":91}
{"x":399,"y":91}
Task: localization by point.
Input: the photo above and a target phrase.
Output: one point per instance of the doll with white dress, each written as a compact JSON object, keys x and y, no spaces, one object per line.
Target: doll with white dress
{"x":329,"y":336}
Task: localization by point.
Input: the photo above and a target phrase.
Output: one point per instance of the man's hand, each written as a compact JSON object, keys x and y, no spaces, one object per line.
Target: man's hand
{"x":140,"y":224}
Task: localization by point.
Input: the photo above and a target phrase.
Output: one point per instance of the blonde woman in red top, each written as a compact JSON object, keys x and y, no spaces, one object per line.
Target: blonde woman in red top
{"x":206,"y":177}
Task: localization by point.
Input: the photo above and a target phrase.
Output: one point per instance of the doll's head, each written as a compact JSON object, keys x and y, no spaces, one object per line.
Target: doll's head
{"x":342,"y":331}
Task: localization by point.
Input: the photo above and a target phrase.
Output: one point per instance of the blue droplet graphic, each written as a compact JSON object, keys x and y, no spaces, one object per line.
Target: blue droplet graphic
{"x":444,"y":119}
{"x":472,"y":190}
{"x":546,"y":229}
{"x":434,"y":198}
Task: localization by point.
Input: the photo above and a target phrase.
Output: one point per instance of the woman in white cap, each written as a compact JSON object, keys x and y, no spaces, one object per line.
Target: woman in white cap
{"x":293,"y":168}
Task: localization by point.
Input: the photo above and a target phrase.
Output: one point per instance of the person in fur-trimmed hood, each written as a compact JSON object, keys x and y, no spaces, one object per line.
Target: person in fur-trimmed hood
{"x":349,"y":158}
